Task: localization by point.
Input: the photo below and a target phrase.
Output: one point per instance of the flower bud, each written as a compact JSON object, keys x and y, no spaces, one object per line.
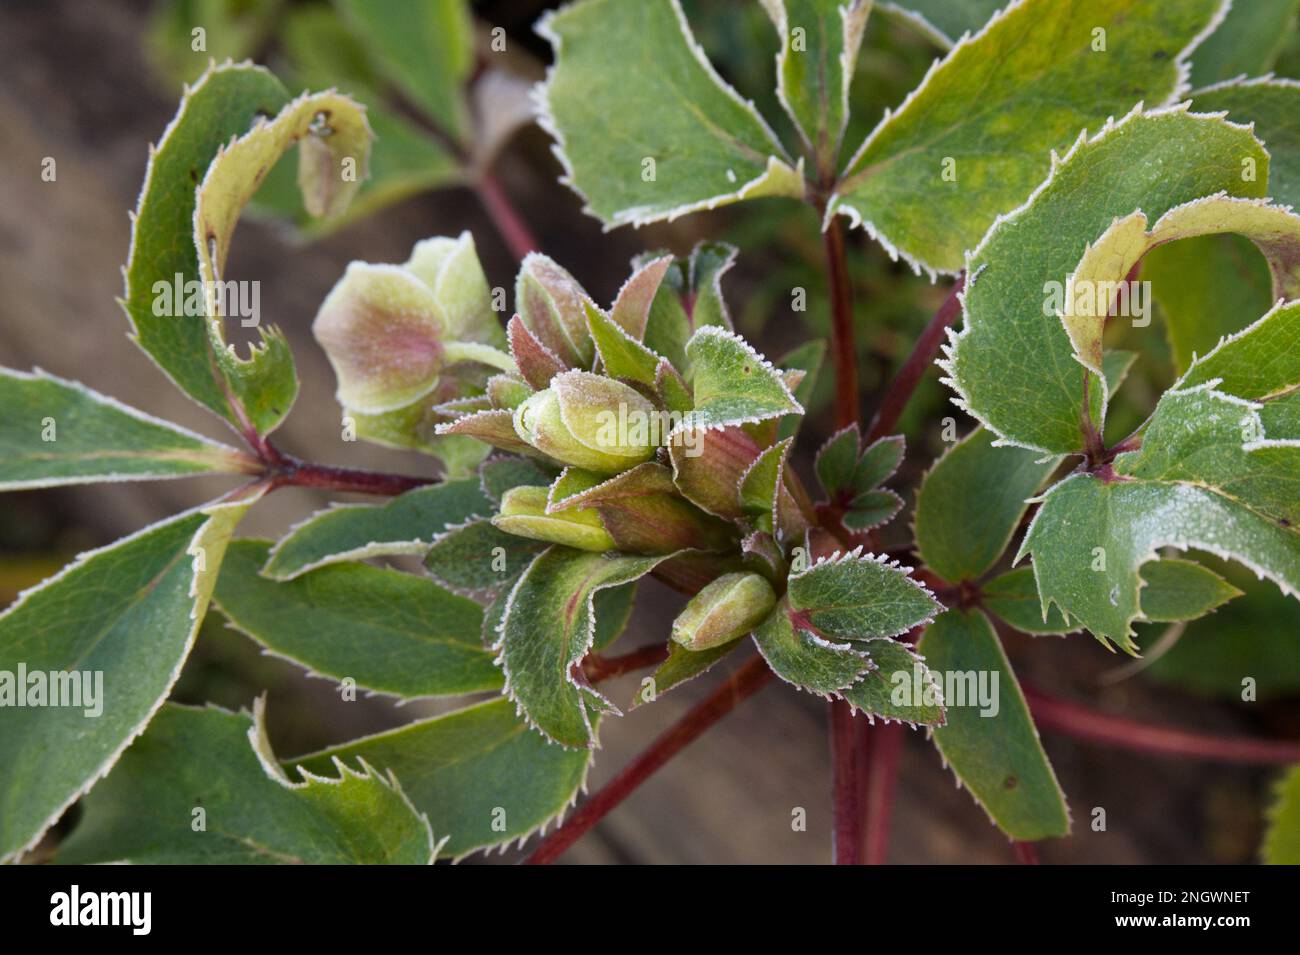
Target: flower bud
{"x":523,"y":513}
{"x":725,"y":610}
{"x":451,"y":270}
{"x":383,"y":332}
{"x":590,"y":421}
{"x":553,"y":306}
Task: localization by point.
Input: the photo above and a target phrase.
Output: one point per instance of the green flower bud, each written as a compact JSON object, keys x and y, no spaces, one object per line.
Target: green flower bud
{"x":725,"y":610}
{"x":553,"y":306}
{"x":523,"y":513}
{"x":591,"y":422}
{"x":451,"y":270}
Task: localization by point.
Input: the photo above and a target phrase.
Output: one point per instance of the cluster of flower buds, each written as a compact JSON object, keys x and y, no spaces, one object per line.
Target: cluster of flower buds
{"x":663,"y":428}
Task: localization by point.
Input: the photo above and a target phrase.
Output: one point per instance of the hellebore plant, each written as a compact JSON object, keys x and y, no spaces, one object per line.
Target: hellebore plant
{"x":585,"y":448}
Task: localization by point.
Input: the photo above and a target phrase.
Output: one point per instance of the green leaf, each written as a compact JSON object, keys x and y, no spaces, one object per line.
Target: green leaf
{"x":993,"y":749}
{"x":1182,"y":590}
{"x":219,"y":763}
{"x":1109,"y":259}
{"x":871,"y":510}
{"x":807,"y":358}
{"x":944,"y":21}
{"x":645,"y":127}
{"x":479,"y":558}
{"x":204,"y":170}
{"x":233,"y":29}
{"x":696,"y":282}
{"x":880,"y":692}
{"x":407,"y":524}
{"x":1246,"y":43}
{"x":806,"y":660}
{"x":388,"y":631}
{"x":971,"y":503}
{"x":682,"y":666}
{"x":549,"y":626}
{"x":1013,"y":598}
{"x":1013,"y":364}
{"x":1282,"y":841}
{"x":819,"y":52}
{"x":323,"y":52}
{"x":1206,"y":288}
{"x":1248,"y":639}
{"x":734,"y":384}
{"x":1208,"y":476}
{"x":480,"y":774}
{"x":855,"y":596}
{"x":60,"y":432}
{"x":425,"y":48}
{"x":1175,"y":590}
{"x":122,"y":618}
{"x":498,"y":475}
{"x":974,"y":139}
{"x":621,"y":354}
{"x":863,"y":673}
{"x":1273,"y":106}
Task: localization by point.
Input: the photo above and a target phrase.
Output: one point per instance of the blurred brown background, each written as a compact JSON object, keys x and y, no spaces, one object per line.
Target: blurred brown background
{"x":77,"y":88}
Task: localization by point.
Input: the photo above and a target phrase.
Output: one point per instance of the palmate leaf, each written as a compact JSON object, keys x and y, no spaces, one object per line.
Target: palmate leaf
{"x":993,"y":749}
{"x":645,"y":127}
{"x":549,"y":624}
{"x":819,"y":53}
{"x":1211,"y":475}
{"x":1012,"y":364}
{"x":408,"y":524}
{"x":979,"y":116}
{"x":480,"y":774}
{"x":387,"y":631}
{"x":230,"y":129}
{"x":60,"y":432}
{"x":971,"y":502}
{"x":128,"y":612}
{"x":219,"y":763}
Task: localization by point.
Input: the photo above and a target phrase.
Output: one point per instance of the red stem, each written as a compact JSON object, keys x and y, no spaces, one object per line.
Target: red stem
{"x":597,"y":667}
{"x":504,"y":216}
{"x":914,"y":369}
{"x":880,"y":748}
{"x":1082,"y":722}
{"x":744,"y":683}
{"x":1026,"y":853}
{"x":287,"y":471}
{"x":845,"y":785}
{"x":843,"y":351}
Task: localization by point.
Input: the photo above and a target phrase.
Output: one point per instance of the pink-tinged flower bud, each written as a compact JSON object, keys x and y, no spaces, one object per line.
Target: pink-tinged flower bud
{"x":725,"y":610}
{"x":383,"y":332}
{"x":553,"y":306}
{"x":523,"y":513}
{"x":592,"y":422}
